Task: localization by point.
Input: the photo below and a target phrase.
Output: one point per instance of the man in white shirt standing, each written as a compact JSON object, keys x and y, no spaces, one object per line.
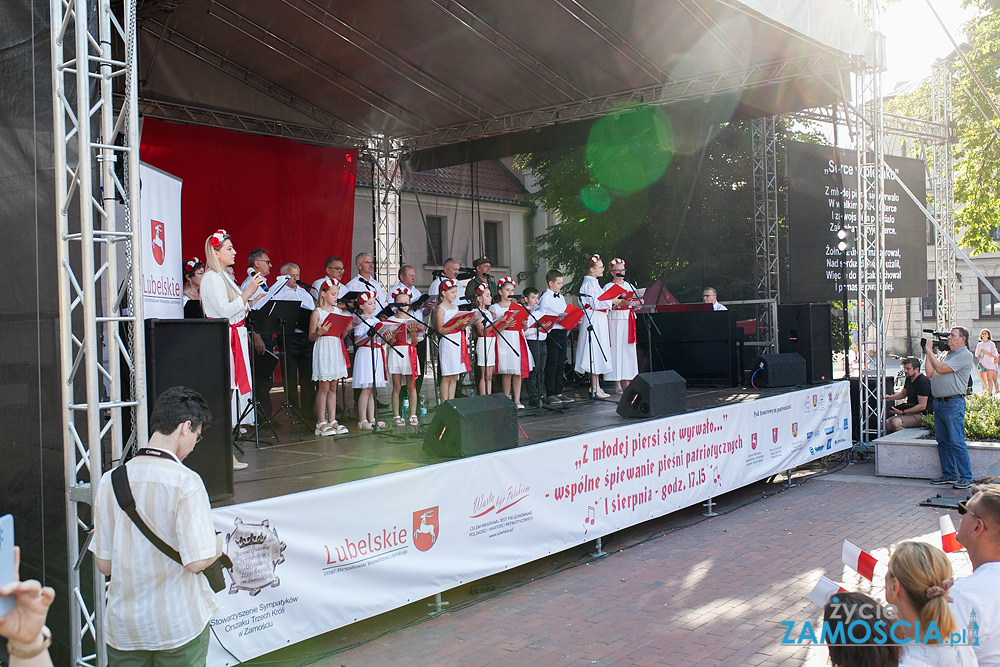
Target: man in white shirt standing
{"x":158,"y":609}
{"x":365,"y":281}
{"x":260,"y":262}
{"x":979,"y":593}
{"x":552,"y":303}
{"x":334,"y":270}
{"x":449,"y":270}
{"x":709,"y":295}
{"x":296,"y":362}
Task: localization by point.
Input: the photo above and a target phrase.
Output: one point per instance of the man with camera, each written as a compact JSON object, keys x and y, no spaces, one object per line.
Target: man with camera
{"x":949,"y":382}
{"x":158,"y":609}
{"x":917,"y":392}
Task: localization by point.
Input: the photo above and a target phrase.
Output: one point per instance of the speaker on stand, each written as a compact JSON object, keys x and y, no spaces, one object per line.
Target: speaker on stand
{"x":805,"y":329}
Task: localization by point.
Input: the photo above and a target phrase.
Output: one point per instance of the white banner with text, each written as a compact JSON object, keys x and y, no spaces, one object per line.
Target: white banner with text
{"x":310,"y":562}
{"x":160,"y":239}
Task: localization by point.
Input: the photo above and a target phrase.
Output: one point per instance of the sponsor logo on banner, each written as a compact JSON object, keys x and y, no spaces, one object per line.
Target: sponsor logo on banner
{"x":256,"y":552}
{"x":753,"y":441}
{"x":847,"y":424}
{"x":158,"y":240}
{"x":774,"y":434}
{"x":425,"y":528}
{"x":795,"y":429}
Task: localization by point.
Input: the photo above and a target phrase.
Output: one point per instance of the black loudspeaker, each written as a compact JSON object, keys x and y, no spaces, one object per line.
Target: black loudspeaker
{"x":804,"y":328}
{"x":470,"y":426}
{"x":654,"y":395}
{"x":780,"y":370}
{"x":195,"y":354}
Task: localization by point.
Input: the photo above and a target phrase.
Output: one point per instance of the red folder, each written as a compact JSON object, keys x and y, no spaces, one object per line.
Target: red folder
{"x":338,"y":324}
{"x":613,"y":292}
{"x":546,"y":322}
{"x":570,"y":317}
{"x":464,"y":318}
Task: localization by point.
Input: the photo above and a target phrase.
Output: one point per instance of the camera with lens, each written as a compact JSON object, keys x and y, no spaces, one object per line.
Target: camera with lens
{"x":940,"y":343}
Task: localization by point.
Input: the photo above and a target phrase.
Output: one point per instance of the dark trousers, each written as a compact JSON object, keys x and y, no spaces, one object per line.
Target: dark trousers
{"x":296,"y":369}
{"x":262,"y":381}
{"x":556,"y":362}
{"x":533,"y":387}
{"x":421,"y":362}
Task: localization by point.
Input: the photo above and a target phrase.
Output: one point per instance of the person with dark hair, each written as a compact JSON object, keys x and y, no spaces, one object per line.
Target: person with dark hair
{"x":845,"y":610}
{"x":334,"y":270}
{"x":194,"y":271}
{"x":158,"y":609}
{"x":977,"y":596}
{"x":534,"y":385}
{"x":917,"y":584}
{"x":949,"y":380}
{"x":552,"y":303}
{"x":917,"y":392}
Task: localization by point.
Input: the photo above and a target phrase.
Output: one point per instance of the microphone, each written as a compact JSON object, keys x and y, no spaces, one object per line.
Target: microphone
{"x":250,"y":271}
{"x":304,"y":283}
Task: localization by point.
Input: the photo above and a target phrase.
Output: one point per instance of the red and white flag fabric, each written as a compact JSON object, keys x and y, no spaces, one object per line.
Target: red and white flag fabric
{"x":860,"y":561}
{"x":949,"y":540}
{"x":825,"y":589}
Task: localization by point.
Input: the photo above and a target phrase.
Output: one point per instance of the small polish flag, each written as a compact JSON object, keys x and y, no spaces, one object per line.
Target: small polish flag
{"x":949,"y":540}
{"x":825,"y":589}
{"x":860,"y":561}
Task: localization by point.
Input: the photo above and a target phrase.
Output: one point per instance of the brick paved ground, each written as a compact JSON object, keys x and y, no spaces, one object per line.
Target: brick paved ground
{"x":711,"y":593}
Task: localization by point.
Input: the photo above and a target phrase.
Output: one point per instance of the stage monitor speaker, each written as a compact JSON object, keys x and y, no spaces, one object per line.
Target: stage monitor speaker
{"x":780,"y":370}
{"x":195,"y":354}
{"x":470,"y":426}
{"x":658,"y":394}
{"x":805,"y":328}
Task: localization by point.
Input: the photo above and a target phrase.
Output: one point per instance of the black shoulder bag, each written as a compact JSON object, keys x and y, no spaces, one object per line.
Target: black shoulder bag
{"x":123,"y":494}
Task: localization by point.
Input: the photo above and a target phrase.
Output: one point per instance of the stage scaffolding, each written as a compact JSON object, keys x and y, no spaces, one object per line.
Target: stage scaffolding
{"x":102,"y":356}
{"x":765,"y":207}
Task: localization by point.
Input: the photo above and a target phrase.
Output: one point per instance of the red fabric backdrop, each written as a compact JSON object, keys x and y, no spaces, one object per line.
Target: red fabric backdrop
{"x":296,"y":201}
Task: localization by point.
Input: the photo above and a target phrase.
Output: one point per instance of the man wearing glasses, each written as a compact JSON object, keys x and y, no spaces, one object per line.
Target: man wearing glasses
{"x":709,"y":295}
{"x":979,"y":533}
{"x":335,"y":270}
{"x":949,"y":382}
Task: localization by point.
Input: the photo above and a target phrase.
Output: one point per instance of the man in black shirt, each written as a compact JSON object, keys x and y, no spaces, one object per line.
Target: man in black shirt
{"x":917,"y":392}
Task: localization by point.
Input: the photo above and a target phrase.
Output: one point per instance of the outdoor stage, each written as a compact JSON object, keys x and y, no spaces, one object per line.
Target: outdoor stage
{"x":325,"y":532}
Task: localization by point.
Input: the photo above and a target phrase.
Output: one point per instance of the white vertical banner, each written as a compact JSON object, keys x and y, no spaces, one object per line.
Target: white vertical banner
{"x":160,"y":240}
{"x":310,"y":562}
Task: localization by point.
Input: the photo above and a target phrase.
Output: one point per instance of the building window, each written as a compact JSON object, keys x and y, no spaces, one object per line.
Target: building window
{"x":435,"y":240}
{"x":928,"y":304}
{"x":989,"y":307}
{"x":491,"y":241}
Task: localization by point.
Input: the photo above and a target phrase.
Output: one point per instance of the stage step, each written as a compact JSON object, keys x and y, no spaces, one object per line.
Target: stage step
{"x":908,"y":453}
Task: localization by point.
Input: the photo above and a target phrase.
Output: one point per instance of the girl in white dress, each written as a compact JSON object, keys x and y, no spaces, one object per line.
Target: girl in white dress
{"x":369,"y":367}
{"x":405,"y":366}
{"x":512,"y":367}
{"x":593,"y":341}
{"x":621,"y":321}
{"x":221,"y":298}
{"x":486,"y":342}
{"x":453,"y":359}
{"x":330,"y":360}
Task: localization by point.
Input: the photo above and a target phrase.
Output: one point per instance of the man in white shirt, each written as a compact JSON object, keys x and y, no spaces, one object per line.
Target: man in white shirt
{"x":158,"y":609}
{"x":296,"y":362}
{"x":408,"y":279}
{"x":552,"y":303}
{"x":260,"y":262}
{"x":365,"y":281}
{"x":335,"y":270}
{"x":450,"y":269}
{"x":979,"y":593}
{"x":709,"y":295}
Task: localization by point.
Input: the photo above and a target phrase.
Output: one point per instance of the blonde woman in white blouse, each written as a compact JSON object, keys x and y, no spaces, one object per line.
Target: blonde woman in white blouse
{"x":221,"y":298}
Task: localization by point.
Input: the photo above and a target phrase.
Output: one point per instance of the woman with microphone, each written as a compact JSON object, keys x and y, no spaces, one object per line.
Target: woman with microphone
{"x":624,"y":361}
{"x":221,"y":298}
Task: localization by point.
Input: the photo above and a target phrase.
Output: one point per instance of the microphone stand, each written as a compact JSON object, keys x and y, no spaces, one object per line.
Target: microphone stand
{"x":372,"y":333}
{"x":591,"y":337}
{"x":368,"y":284}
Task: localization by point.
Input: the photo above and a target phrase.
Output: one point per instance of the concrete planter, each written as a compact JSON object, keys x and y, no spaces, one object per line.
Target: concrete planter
{"x":907,"y":453}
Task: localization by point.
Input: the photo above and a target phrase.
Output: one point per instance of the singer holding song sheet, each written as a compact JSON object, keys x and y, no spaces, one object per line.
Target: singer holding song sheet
{"x":221,"y":298}
{"x":364,"y":281}
{"x":593,"y":342}
{"x":330,"y":359}
{"x":621,"y":322}
{"x":453,"y":357}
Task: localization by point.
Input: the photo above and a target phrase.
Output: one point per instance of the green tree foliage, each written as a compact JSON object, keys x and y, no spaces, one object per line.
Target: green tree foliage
{"x":977,"y":154}
{"x":686,"y":218}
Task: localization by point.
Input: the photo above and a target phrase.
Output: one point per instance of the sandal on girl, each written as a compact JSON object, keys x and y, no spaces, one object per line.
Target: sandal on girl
{"x":399,"y":421}
{"x":319,"y":428}
{"x":338,"y":429}
{"x":381,"y":425}
{"x":414,"y":420}
{"x":328,"y":429}
{"x":364,"y":425}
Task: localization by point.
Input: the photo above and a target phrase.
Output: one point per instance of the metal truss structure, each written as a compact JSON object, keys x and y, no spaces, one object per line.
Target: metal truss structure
{"x":942,"y":173}
{"x":765,"y":214}
{"x":870,"y":236}
{"x":387,"y":180}
{"x":102,"y":369}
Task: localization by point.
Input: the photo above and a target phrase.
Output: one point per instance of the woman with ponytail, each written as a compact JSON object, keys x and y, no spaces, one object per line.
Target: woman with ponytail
{"x":917,"y":585}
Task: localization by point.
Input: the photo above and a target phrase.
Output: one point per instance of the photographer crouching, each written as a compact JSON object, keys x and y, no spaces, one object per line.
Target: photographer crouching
{"x":949,"y":377}
{"x":917,"y":392}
